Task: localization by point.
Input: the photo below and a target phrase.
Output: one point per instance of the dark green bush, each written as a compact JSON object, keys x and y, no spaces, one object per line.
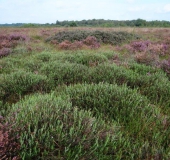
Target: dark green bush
{"x":85,"y":58}
{"x":20,"y":82}
{"x":117,"y":102}
{"x":143,"y":125}
{"x":51,"y":128}
{"x":143,"y":69}
{"x":102,"y":36}
{"x":64,"y":73}
{"x":111,"y":73}
{"x":154,"y":85}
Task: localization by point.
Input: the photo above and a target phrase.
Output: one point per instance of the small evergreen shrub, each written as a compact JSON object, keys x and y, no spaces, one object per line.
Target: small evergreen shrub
{"x":101,"y":36}
{"x":64,"y":73}
{"x":21,"y":82}
{"x":143,"y":124}
{"x":52,"y":128}
{"x":9,"y":144}
{"x":81,"y":57}
{"x":8,"y":42}
{"x":92,"y":42}
{"x":165,"y":65}
{"x":5,"y":52}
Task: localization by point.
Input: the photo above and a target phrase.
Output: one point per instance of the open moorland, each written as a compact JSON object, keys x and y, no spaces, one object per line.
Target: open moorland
{"x":79,"y":93}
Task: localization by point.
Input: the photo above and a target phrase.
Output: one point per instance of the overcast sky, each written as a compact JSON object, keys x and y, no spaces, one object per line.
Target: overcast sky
{"x":48,"y":11}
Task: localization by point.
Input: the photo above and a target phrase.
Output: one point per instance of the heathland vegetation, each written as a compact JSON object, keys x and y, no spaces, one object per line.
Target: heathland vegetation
{"x":85,"y":93}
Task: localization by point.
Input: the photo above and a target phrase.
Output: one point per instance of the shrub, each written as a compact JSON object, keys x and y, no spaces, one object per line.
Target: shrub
{"x":9,"y":145}
{"x":7,"y":42}
{"x":142,"y":69}
{"x":18,"y":37}
{"x":52,"y":128}
{"x":21,"y":82}
{"x":101,"y":36}
{"x":92,"y":42}
{"x":140,"y":121}
{"x":81,"y":57}
{"x":154,"y":85}
{"x":66,"y":45}
{"x":5,"y":51}
{"x":147,"y":58}
{"x":64,"y":73}
{"x":111,"y":73}
{"x":165,"y":65}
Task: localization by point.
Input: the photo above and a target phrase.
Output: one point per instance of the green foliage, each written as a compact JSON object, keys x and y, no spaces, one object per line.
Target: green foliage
{"x":68,"y":133}
{"x":103,"y":104}
{"x":102,"y":36}
{"x":154,"y":85}
{"x":82,"y":57}
{"x":133,"y":111}
{"x":117,"y":23}
{"x":20,"y":82}
{"x":73,"y":24}
{"x":60,"y":73}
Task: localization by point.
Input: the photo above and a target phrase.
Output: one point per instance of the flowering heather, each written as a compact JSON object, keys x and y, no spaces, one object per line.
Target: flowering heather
{"x":147,"y":46}
{"x":9,"y":145}
{"x":166,"y":66}
{"x":65,"y":45}
{"x":14,"y":36}
{"x":5,"y":51}
{"x":7,"y":42}
{"x":139,"y":46}
{"x":92,"y":42}
{"x":18,"y":37}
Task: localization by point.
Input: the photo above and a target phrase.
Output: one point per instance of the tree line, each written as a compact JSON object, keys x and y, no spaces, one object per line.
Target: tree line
{"x":114,"y":23}
{"x":95,"y":23}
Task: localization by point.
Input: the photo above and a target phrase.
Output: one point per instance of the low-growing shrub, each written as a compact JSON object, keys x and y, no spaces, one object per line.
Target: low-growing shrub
{"x":92,"y":42}
{"x":8,"y":42}
{"x":111,"y":73}
{"x":85,"y":58}
{"x":143,"y":69}
{"x":101,"y":36}
{"x":5,"y":51}
{"x":9,"y":144}
{"x":154,"y":85}
{"x":142,"y":123}
{"x":64,"y":73}
{"x":147,"y":58}
{"x":21,"y":82}
{"x":165,"y":65}
{"x":147,"y":46}
{"x":52,"y":128}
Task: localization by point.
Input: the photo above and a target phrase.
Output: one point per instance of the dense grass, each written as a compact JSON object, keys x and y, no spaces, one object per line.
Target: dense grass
{"x":82,"y":104}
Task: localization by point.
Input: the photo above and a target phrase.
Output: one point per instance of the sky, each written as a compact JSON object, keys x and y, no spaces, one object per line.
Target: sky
{"x":49,"y":11}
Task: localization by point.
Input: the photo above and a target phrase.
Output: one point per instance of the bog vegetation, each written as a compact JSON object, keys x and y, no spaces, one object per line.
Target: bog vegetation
{"x":84,"y":93}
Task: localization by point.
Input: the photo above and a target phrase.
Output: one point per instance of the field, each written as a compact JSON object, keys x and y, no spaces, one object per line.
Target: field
{"x":79,"y":93}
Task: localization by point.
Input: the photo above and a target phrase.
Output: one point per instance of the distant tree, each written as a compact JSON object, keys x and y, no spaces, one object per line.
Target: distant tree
{"x":73,"y":24}
{"x":140,"y":22}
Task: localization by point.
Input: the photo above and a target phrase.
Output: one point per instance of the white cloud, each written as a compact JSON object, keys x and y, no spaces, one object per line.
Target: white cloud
{"x":48,"y":11}
{"x":136,"y":9}
{"x":130,"y":1}
{"x":167,"y":8}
